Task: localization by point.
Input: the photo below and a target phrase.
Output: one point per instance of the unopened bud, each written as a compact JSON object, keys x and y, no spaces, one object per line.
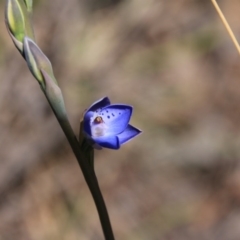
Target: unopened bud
{"x":18,"y":22}
{"x":29,"y":4}
{"x":37,"y":60}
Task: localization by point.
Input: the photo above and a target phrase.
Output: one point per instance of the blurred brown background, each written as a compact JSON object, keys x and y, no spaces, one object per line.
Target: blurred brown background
{"x":174,"y":62}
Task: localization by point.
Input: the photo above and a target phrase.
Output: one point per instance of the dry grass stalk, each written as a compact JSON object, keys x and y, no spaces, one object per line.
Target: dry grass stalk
{"x":225,"y":23}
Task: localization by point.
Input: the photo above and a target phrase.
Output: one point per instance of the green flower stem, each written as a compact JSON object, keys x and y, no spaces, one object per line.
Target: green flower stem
{"x":18,"y":22}
{"x":89,"y":174}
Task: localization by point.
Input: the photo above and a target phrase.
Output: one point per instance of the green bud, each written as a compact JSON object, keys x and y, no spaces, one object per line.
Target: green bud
{"x":14,"y":19}
{"x":54,"y":95}
{"x":29,"y":4}
{"x":37,"y":61}
{"x":18,"y":22}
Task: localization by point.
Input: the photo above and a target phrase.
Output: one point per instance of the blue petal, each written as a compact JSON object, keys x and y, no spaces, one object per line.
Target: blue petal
{"x":111,"y":142}
{"x":101,"y":103}
{"x":116,"y":118}
{"x":129,"y":133}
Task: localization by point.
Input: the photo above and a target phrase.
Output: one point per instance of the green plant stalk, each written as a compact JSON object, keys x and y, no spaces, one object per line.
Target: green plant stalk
{"x":88,"y":173}
{"x":18,"y":22}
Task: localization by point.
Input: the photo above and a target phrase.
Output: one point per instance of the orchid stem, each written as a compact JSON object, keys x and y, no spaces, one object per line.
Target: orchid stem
{"x":18,"y":22}
{"x":89,"y":175}
{"x":225,"y":23}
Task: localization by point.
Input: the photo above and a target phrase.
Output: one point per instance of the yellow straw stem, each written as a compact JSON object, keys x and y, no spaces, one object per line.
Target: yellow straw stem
{"x":225,"y":23}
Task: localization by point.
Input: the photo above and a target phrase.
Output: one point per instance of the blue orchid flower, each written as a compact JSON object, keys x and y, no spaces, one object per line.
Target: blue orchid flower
{"x":108,"y":124}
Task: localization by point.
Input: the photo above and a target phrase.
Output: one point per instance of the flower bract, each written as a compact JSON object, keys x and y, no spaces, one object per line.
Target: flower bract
{"x":108,"y":124}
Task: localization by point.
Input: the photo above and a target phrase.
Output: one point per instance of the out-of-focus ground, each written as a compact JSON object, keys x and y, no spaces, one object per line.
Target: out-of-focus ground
{"x":174,"y":62}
